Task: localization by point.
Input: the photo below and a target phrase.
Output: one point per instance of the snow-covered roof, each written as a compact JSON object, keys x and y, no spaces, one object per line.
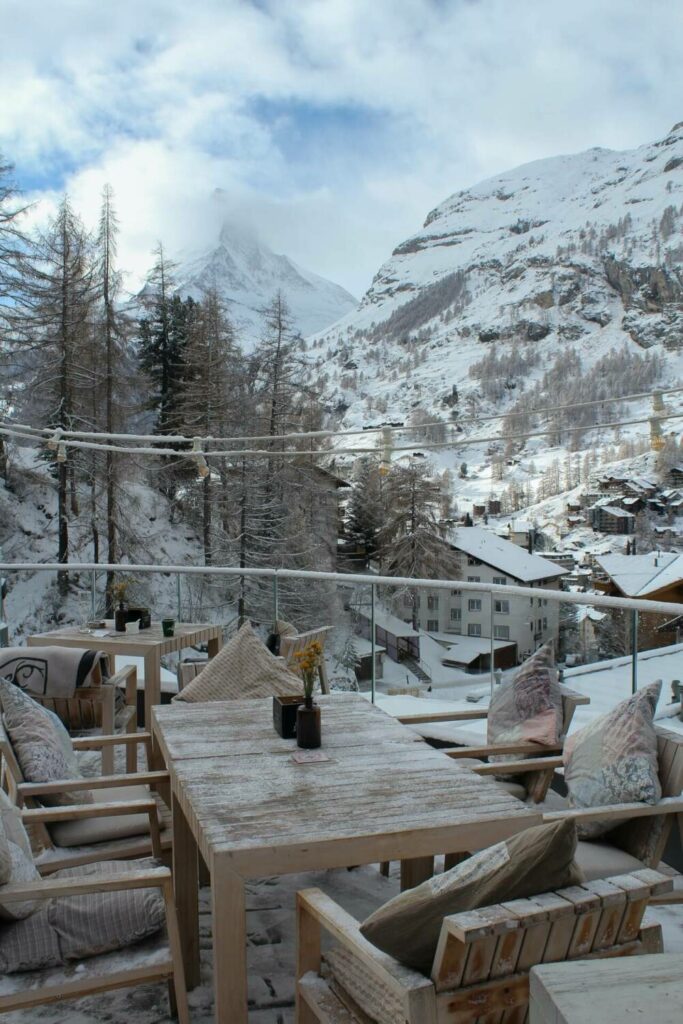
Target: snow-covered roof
{"x":620,"y":513}
{"x":390,"y":623}
{"x":501,"y":554}
{"x":640,"y":575}
{"x":468,"y":648}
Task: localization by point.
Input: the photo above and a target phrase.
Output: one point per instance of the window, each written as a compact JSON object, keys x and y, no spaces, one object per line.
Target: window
{"x":473,"y":561}
{"x":474,"y":579}
{"x":545,"y":602}
{"x":545,"y":623}
{"x":432,"y":625}
{"x":433,"y":604}
{"x":474,"y":604}
{"x":540,"y":625}
{"x":500,"y":579}
{"x":474,"y":629}
{"x":501,"y":632}
{"x":455,"y":593}
{"x":417,"y":600}
{"x":456,"y":615}
{"x":407,"y":600}
{"x":539,"y":602}
{"x":502,"y":607}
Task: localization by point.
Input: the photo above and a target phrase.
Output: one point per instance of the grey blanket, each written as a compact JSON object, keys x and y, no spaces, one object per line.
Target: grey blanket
{"x":51,"y":671}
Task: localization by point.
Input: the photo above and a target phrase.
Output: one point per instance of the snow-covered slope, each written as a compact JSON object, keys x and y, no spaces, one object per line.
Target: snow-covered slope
{"x":247,"y":274}
{"x":582,"y":251}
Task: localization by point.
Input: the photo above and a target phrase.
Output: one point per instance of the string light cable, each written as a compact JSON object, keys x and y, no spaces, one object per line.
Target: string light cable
{"x":197,"y":454}
{"x":38,"y":432}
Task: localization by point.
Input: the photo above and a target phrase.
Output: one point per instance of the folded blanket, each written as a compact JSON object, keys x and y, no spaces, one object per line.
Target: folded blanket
{"x":51,"y":671}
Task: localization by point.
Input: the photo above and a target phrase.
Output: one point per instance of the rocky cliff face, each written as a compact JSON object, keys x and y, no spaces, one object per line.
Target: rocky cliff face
{"x":582,"y":251}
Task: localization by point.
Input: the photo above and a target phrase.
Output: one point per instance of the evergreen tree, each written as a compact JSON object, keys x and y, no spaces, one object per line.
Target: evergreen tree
{"x":412,"y":541}
{"x":52,"y":322}
{"x":364,"y":509}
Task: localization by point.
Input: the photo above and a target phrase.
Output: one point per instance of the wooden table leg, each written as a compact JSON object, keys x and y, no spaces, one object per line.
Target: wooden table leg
{"x":152,"y":684}
{"x":415,"y":871}
{"x":185,"y":884}
{"x":229,"y":946}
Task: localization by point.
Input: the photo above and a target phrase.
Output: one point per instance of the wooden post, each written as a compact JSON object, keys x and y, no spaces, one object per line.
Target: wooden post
{"x":229,"y":936}
{"x":307,"y":957}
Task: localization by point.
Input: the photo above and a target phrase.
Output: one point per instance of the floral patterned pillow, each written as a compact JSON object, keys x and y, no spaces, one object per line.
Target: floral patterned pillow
{"x":41,"y":744}
{"x":528,"y":708}
{"x":613,"y":760}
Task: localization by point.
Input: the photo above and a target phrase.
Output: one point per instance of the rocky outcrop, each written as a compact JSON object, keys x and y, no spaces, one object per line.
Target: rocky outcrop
{"x":647,"y":288}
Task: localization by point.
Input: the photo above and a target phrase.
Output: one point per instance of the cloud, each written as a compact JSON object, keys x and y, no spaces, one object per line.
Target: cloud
{"x":335,"y":125}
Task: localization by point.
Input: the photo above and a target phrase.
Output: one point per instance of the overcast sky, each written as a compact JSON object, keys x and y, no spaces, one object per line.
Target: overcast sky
{"x":333,"y":126}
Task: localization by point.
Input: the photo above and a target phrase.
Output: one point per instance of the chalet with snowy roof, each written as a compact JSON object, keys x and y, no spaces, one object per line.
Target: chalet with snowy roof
{"x":527,"y":622}
{"x":656,"y":576}
{"x":611,"y":519}
{"x":676,"y":475}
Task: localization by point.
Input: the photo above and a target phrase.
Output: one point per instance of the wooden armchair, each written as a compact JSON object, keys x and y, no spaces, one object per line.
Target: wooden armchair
{"x":535,"y":784}
{"x":94,"y":707}
{"x":290,"y":645}
{"x":482,"y":962}
{"x":130,"y":821}
{"x":155,"y":959}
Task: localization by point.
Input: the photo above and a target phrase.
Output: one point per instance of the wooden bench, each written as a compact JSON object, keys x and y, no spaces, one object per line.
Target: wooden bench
{"x":483,"y":958}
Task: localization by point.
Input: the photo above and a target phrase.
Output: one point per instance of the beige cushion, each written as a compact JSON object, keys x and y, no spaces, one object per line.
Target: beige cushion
{"x":531,"y":862}
{"x":600,"y":860}
{"x":528,"y":708}
{"x":102,"y":830}
{"x":77,"y":927}
{"x":244,"y":668}
{"x":41,"y":744}
{"x":613,"y":760}
{"x":515,"y":789}
{"x":16,"y":859}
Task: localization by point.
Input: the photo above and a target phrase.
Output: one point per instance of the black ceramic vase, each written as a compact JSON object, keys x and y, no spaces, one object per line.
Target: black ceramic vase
{"x":308,"y":725}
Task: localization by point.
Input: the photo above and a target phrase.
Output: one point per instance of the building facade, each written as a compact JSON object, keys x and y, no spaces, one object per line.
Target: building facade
{"x":485,"y":558}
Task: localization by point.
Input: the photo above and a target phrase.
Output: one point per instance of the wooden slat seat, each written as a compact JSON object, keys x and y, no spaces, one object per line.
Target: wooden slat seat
{"x":481,"y":966}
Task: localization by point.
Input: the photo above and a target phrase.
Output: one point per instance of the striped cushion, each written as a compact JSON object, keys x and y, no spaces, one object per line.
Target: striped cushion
{"x":244,"y":668}
{"x":78,"y":927}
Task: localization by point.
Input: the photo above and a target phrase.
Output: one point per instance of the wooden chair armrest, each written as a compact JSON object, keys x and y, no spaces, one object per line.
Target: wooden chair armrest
{"x":37,"y":789}
{"x":534,"y":764}
{"x":573,"y":695}
{"x":94,"y":742}
{"x":423,"y":718}
{"x":46,"y":888}
{"x":667,"y":805}
{"x":76,"y":812}
{"x":499,"y":748}
{"x":346,"y":930}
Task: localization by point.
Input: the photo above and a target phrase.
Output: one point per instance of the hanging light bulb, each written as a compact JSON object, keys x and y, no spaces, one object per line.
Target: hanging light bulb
{"x":199,"y":459}
{"x":61,"y":452}
{"x":656,"y":439}
{"x":53,"y":443}
{"x":385,"y":464}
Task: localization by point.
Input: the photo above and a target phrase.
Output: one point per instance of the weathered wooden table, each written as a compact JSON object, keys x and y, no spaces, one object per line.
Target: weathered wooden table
{"x":238,"y":797}
{"x":149,"y":644}
{"x":646,"y":989}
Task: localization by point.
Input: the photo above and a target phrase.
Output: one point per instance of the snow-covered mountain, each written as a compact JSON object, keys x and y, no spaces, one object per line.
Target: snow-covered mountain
{"x":247,"y":274}
{"x":581,"y":252}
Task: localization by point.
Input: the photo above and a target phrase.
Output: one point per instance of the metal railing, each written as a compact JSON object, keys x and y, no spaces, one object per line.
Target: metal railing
{"x":635,"y":605}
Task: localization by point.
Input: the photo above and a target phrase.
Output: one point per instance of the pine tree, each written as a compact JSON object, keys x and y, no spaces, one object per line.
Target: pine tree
{"x":412,"y":541}
{"x":364,"y":509}
{"x":52,"y":321}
